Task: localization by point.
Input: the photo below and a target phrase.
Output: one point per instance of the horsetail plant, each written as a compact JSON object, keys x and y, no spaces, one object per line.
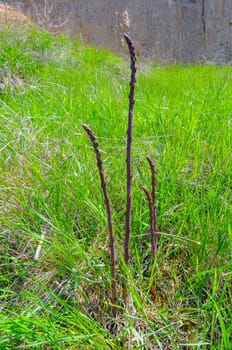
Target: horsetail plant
{"x":153,"y":215}
{"x":109,"y":213}
{"x":129,"y":181}
{"x":151,"y":198}
{"x":129,"y":158}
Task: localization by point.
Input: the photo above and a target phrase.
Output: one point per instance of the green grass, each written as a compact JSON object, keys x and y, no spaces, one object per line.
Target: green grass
{"x":49,"y":184}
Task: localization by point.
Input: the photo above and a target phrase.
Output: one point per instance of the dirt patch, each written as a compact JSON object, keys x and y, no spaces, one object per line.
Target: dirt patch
{"x":10,"y":16}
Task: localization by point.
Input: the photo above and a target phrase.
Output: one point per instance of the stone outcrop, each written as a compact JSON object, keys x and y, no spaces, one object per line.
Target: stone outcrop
{"x":164,"y":30}
{"x":10,"y":15}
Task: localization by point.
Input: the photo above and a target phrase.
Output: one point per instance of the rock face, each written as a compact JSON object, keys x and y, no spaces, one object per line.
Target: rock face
{"x":8,"y":14}
{"x":163,"y":30}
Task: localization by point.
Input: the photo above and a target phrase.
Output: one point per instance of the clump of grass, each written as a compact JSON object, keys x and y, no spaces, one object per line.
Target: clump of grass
{"x":44,"y":160}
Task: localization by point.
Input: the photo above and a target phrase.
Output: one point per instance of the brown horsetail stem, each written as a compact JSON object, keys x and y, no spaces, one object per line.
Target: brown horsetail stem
{"x":151,"y":198}
{"x":129,"y":158}
{"x":108,"y":210}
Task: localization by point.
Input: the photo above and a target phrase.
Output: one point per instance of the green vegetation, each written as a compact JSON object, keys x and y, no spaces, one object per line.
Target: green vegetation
{"x":50,"y":186}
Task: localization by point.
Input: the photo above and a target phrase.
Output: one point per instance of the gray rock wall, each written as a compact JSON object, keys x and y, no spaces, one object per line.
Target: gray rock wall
{"x":164,"y":30}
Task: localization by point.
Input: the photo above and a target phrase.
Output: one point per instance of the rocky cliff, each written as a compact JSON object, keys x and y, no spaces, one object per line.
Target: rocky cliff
{"x":164,"y":30}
